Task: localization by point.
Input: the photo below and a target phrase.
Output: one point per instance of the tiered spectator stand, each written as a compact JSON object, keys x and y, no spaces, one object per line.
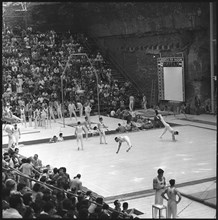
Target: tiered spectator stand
{"x":46,"y":62}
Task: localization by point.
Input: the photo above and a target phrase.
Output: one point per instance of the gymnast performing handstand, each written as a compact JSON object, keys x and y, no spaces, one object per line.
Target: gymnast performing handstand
{"x":167,"y":126}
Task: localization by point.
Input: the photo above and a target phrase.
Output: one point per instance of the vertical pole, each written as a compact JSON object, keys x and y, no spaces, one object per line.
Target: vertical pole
{"x":96,"y":75}
{"x":211,"y":57}
{"x":25,"y":19}
{"x":62,"y":97}
{"x":98,"y":95}
{"x":62,"y":88}
{"x":3,"y":18}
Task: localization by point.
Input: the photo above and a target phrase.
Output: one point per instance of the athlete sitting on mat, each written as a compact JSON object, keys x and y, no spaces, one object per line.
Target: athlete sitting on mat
{"x":54,"y":139}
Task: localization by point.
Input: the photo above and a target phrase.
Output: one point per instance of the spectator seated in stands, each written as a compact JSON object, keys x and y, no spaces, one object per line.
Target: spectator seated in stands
{"x":121,"y":128}
{"x":50,"y":170}
{"x":11,"y":184}
{"x":5,"y":160}
{"x":48,"y":210}
{"x":16,"y":209}
{"x":92,"y":207}
{"x":63,"y":180}
{"x":14,"y":162}
{"x":11,"y":149}
{"x":18,"y":156}
{"x":88,"y":196}
{"x":127,"y":215}
{"x":22,"y":188}
{"x":5,"y":197}
{"x":37,"y":163}
{"x":105,"y":213}
{"x":117,"y":209}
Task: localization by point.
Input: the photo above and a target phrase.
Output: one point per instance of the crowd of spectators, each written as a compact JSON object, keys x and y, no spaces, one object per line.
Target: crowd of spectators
{"x":31,"y":190}
{"x":33,"y":63}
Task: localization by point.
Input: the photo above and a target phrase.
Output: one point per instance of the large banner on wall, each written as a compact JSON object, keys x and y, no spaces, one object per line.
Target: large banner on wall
{"x":171,"y":79}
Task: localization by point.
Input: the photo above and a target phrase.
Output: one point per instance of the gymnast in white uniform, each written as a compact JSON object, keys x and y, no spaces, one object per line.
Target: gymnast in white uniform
{"x":79,"y":134}
{"x":101,"y":127}
{"x":122,"y":139}
{"x":23,"y":115}
{"x":72,"y":110}
{"x":167,"y":126}
{"x":172,"y":202}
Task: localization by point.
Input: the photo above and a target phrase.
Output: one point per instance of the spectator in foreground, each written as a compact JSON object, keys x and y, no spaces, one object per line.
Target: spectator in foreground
{"x":48,"y":210}
{"x":125,"y":212}
{"x":76,"y":182}
{"x":26,"y":169}
{"x":92,"y":207}
{"x":117,"y":209}
{"x":37,"y":163}
{"x":16,"y":207}
{"x":22,"y":188}
{"x":104,"y":212}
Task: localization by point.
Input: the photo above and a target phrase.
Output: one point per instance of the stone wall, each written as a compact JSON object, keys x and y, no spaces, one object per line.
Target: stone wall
{"x":138,"y":56}
{"x":125,"y":19}
{"x":137,"y":41}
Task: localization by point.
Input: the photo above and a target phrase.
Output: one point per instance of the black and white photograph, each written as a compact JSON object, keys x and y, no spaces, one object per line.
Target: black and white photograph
{"x":109,"y":109}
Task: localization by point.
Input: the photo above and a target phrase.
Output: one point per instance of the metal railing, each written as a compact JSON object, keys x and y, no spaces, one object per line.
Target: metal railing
{"x":51,"y":188}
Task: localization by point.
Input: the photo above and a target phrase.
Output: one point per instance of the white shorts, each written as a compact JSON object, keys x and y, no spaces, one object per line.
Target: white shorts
{"x":127,"y":140}
{"x":169,"y":128}
{"x":79,"y":136}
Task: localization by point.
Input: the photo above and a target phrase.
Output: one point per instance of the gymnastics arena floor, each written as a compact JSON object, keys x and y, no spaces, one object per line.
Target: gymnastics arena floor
{"x":191,"y":158}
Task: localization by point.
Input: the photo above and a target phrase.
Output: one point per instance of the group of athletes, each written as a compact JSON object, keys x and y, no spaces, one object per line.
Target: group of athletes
{"x":41,"y":114}
{"x":48,"y":110}
{"x":120,"y":139}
